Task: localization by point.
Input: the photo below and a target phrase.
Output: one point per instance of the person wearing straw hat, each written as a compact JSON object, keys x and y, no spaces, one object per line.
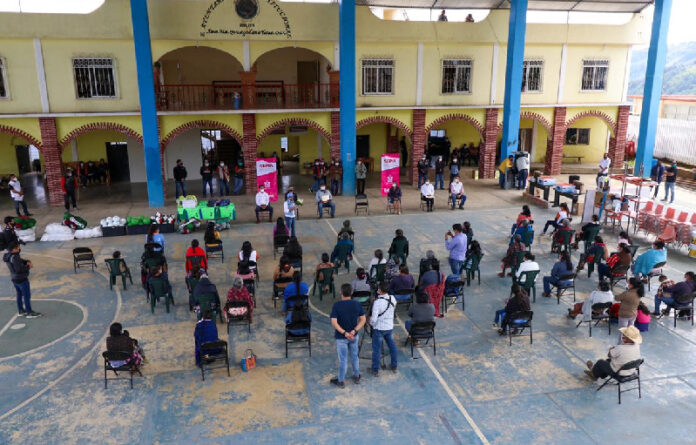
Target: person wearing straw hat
{"x":627,"y":351}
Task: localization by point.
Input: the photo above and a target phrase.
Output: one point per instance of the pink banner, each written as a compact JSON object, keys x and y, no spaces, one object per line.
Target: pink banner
{"x":390,"y":171}
{"x":267,"y":175}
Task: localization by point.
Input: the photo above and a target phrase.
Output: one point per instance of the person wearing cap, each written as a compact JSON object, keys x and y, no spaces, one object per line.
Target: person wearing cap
{"x":324,"y":199}
{"x":263,"y":203}
{"x":502,"y":170}
{"x":619,"y":355}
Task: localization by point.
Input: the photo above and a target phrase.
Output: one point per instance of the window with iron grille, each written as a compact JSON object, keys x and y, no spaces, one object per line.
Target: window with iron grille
{"x":456,"y":76}
{"x":594,"y":75}
{"x":378,"y":76}
{"x":94,"y":78}
{"x":532,"y":75}
{"x":577,"y":136}
{"x":3,"y":80}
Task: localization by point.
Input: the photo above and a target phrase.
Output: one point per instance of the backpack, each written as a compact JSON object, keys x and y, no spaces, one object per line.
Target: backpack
{"x":300,"y":312}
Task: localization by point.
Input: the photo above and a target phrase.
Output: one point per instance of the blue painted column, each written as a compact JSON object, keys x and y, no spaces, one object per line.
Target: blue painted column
{"x":513,"y":77}
{"x":653,"y":86}
{"x":148,"y":108}
{"x":346,"y":42}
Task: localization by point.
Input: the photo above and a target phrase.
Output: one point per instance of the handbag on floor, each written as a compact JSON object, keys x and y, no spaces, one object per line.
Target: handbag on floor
{"x":249,"y":360}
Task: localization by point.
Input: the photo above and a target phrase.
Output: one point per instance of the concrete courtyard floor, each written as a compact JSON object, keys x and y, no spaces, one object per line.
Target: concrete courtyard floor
{"x":477,"y":389}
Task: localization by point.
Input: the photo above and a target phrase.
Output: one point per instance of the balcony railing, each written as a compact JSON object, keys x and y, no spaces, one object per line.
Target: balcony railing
{"x":235,"y":96}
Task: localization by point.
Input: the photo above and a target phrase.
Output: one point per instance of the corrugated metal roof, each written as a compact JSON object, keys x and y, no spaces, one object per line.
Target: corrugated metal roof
{"x":547,"y":5}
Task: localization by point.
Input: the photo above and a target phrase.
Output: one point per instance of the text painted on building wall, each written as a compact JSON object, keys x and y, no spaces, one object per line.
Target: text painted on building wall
{"x":246,"y":26}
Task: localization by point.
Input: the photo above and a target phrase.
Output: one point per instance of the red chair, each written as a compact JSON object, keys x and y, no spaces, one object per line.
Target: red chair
{"x":684,"y":229}
{"x":668,"y":235}
{"x":652,"y":223}
{"x":666,"y":219}
{"x":644,"y":213}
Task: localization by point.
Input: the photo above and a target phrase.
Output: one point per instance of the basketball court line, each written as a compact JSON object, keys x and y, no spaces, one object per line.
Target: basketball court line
{"x":9,"y":323}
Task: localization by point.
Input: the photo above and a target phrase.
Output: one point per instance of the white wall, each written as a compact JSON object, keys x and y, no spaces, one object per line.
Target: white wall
{"x":187,"y":147}
{"x":136,"y":160}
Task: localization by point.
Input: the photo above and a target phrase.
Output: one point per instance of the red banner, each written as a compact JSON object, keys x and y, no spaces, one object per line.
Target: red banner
{"x":390,"y":171}
{"x":267,"y":175}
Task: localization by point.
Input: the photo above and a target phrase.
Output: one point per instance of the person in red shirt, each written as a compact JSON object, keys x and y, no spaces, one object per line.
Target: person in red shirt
{"x":195,"y":251}
{"x":68,"y":184}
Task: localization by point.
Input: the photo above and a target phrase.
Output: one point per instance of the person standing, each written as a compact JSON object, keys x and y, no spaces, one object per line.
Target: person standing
{"x":629,"y":300}
{"x":336,"y":174}
{"x":102,"y":171}
{"x":656,"y":174}
{"x":440,"y":173}
{"x":17,"y":195}
{"x":456,"y":244}
{"x":442,"y":17}
{"x":207,"y":177}
{"x":347,"y":318}
{"x":290,"y":211}
{"x":360,"y":175}
{"x":670,"y":180}
{"x":604,"y":165}
{"x":238,"y":177}
{"x":19,"y":274}
{"x":319,"y":172}
{"x":382,"y":322}
{"x":223,"y":173}
{"x":68,"y":184}
{"x":180,"y":178}
{"x":522,"y":164}
{"x":423,"y":167}
{"x":263,"y":203}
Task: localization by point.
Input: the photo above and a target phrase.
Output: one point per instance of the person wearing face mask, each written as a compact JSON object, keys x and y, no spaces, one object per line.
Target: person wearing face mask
{"x":324,"y":199}
{"x":207,"y":177}
{"x":440,"y":173}
{"x":670,"y":180}
{"x":319,"y":172}
{"x":68,"y":184}
{"x":336,"y":175}
{"x":17,"y":195}
{"x":457,"y":193}
{"x":180,"y":178}
{"x":223,"y":174}
{"x":238,"y":177}
{"x":428,"y":195}
{"x":423,"y":167}
{"x":290,"y":212}
{"x":454,"y":169}
{"x":360,"y":175}
{"x":263,"y":203}
{"x":19,"y":274}
{"x":394,"y":197}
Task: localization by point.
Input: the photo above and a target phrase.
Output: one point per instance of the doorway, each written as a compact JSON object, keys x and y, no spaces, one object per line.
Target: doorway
{"x":23,"y":161}
{"x":362,"y":146}
{"x":117,"y":157}
{"x":307,"y":72}
{"x":525,"y":140}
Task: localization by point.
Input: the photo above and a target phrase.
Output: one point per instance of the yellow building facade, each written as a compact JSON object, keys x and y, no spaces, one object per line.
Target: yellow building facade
{"x":270,"y":84}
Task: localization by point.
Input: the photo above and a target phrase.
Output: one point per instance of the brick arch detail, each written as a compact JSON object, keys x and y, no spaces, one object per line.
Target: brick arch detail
{"x":533,"y":116}
{"x":22,"y":134}
{"x":109,"y":126}
{"x":457,"y":117}
{"x":293,"y":121}
{"x":594,"y":113}
{"x":200,"y":124}
{"x":385,"y":120}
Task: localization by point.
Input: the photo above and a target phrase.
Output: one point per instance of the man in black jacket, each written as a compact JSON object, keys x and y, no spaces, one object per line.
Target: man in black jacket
{"x":8,"y":235}
{"x":206,"y":287}
{"x":180,"y":178}
{"x":19,"y":274}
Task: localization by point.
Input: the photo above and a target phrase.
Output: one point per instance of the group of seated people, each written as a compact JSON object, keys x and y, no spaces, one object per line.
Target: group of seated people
{"x":457,"y":195}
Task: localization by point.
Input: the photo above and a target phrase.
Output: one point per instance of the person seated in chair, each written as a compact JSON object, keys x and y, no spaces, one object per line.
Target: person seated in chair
{"x":525,"y":215}
{"x":244,"y":271}
{"x":624,"y":238}
{"x":324,"y":199}
{"x":457,"y":192}
{"x":195,"y":251}
{"x":325,"y":264}
{"x":468,"y":232}
{"x":154,"y":236}
{"x":602,"y":294}
{"x":428,"y":195}
{"x":425,"y":262}
{"x":119,"y":340}
{"x":622,"y":258}
{"x":582,"y":235}
{"x":560,"y":216}
{"x":206,"y":331}
{"x":474,"y":251}
{"x":263,"y":203}
{"x":563,"y":227}
{"x":205,"y":287}
{"x":344,"y":240}
{"x":402,"y":281}
{"x":524,"y":227}
{"x":280,"y":228}
{"x":239,"y":292}
{"x":433,"y":284}
{"x":392,"y":269}
{"x":646,"y":261}
{"x":346,"y":229}
{"x":563,"y":267}
{"x":211,"y":238}
{"x":510,"y":259}
{"x":619,"y":355}
{"x":360,"y":282}
{"x":296,"y":287}
{"x":598,"y":247}
{"x":283,"y":270}
{"x":422,"y":311}
{"x":376,"y":260}
{"x":519,"y":302}
{"x":248,"y":254}
{"x":399,"y":246}
{"x":122,"y":264}
{"x":431,"y":275}
{"x":675,"y":294}
{"x":293,"y":252}
{"x":394,"y":197}
{"x":528,"y":265}
{"x":642,"y":318}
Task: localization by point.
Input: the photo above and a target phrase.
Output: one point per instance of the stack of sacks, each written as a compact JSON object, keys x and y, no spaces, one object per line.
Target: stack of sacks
{"x":90,"y":232}
{"x":57,"y":232}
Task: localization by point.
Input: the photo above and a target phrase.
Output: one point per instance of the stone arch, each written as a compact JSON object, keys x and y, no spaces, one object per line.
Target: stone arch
{"x":535,"y":117}
{"x":293,"y":121}
{"x":594,"y":113}
{"x":457,"y":117}
{"x":200,"y":124}
{"x":109,"y":126}
{"x":386,"y":120}
{"x":326,"y":57}
{"x":22,"y":134}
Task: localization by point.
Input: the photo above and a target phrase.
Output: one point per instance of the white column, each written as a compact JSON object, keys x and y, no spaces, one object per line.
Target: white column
{"x":627,"y":73}
{"x":494,"y":71}
{"x":246,"y":55}
{"x":419,"y":75}
{"x":73,"y":147}
{"x":337,"y":57}
{"x":561,"y":74}
{"x":41,"y":75}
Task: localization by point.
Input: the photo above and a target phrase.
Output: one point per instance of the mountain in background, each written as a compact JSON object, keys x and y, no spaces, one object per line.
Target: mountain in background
{"x":680,"y":70}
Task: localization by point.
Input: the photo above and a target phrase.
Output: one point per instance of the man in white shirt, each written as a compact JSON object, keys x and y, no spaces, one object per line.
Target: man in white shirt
{"x":263,"y":201}
{"x":428,"y":194}
{"x":382,"y":322}
{"x":626,"y":352}
{"x":604,"y":165}
{"x":528,"y":265}
{"x":17,"y":195}
{"x":522,"y":165}
{"x":324,"y":199}
{"x":290,"y":212}
{"x":457,"y":193}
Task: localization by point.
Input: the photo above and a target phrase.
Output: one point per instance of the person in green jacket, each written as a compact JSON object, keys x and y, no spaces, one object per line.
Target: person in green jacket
{"x":399,"y":247}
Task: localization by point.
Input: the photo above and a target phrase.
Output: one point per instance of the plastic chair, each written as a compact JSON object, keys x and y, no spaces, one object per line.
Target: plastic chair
{"x":527,"y":281}
{"x":114,"y":267}
{"x":159,"y":287}
{"x":324,"y":278}
{"x":343,"y":257}
{"x":208,"y":302}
